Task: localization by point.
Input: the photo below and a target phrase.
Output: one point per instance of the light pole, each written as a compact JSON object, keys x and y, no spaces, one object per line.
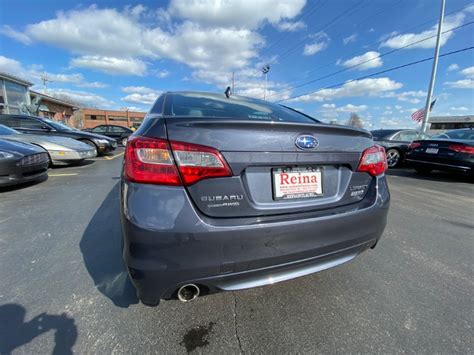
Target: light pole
{"x":265,"y":71}
{"x":424,"y":125}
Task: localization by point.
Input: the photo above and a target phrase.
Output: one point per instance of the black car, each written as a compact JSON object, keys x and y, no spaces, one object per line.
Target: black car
{"x":119,"y":133}
{"x":21,"y":162}
{"x":396,"y":142}
{"x":41,"y":125}
{"x":452,"y":151}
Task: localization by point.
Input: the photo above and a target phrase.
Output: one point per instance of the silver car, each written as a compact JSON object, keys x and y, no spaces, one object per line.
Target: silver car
{"x":62,"y":150}
{"x":227,"y":193}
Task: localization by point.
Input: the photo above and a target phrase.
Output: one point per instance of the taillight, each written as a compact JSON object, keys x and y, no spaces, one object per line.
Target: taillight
{"x":197,"y":162}
{"x":373,"y":161}
{"x":459,"y":148}
{"x":414,"y":145}
{"x":157,"y":161}
{"x":149,"y":161}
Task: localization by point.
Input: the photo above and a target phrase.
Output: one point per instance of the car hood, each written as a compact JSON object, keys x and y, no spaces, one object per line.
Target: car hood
{"x":19,"y":148}
{"x":90,"y":135}
{"x":49,"y":142}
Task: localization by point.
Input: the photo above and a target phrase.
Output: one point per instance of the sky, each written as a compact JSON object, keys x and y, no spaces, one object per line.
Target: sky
{"x":123,"y":54}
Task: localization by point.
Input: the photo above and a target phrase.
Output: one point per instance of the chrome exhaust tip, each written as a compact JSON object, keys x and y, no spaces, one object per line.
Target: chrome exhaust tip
{"x":188,"y":293}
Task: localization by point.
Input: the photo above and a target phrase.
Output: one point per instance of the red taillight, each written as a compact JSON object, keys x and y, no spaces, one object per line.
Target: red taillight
{"x":197,"y":162}
{"x":459,"y":148}
{"x":373,"y":161}
{"x":149,"y":161}
{"x":157,"y":161}
{"x":414,"y":145}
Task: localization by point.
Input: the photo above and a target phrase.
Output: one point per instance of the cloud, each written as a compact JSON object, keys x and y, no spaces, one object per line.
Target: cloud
{"x":363,"y":62}
{"x":398,"y":107}
{"x":163,"y":74}
{"x":319,"y":43}
{"x":138,"y":90}
{"x":468,"y":72}
{"x":111,"y":65}
{"x":460,"y":108}
{"x":290,"y":26}
{"x":352,"y":108}
{"x":407,"y":96}
{"x":399,"y":41}
{"x":146,"y":99}
{"x":350,"y":39}
{"x":82,"y":97}
{"x":237,"y":14}
{"x":453,"y":66}
{"x":461,"y":84}
{"x":16,"y":35}
{"x":357,"y":88}
{"x":13,"y":67}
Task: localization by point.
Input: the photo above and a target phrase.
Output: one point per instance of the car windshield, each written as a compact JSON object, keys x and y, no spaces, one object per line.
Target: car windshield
{"x":214,"y":105}
{"x":58,"y":125}
{"x":7,"y":131}
{"x":458,"y":134}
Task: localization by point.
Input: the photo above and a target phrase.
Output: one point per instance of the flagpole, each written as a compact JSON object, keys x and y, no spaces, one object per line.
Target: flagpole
{"x":424,"y":125}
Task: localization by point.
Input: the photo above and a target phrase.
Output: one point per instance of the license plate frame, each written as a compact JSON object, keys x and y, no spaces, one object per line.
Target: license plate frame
{"x":315,"y":192}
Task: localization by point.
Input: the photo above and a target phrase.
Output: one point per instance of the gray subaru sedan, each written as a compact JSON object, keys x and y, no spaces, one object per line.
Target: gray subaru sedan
{"x":224,"y":193}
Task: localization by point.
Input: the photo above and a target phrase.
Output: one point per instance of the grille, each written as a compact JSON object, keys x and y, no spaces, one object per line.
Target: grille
{"x":34,"y":159}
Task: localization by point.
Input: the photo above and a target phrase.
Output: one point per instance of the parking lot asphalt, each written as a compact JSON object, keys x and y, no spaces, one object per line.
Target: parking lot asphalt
{"x":64,"y":287}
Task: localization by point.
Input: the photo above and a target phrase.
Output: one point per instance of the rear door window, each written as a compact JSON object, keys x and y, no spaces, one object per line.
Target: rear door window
{"x":213,"y":105}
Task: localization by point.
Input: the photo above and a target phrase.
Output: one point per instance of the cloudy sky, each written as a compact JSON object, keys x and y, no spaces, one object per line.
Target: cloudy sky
{"x":117,"y":54}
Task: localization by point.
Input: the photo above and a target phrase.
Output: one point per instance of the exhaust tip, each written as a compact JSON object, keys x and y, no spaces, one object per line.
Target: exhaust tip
{"x":188,"y":293}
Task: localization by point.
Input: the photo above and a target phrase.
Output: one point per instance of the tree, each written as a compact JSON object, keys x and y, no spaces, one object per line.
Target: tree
{"x":355,"y":121}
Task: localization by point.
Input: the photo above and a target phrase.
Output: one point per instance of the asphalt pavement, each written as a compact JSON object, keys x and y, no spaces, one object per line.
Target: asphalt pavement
{"x":64,"y":287}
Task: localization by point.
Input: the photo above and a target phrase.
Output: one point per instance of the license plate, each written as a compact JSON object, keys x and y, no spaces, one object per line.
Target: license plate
{"x":432,"y":150}
{"x":297,"y":183}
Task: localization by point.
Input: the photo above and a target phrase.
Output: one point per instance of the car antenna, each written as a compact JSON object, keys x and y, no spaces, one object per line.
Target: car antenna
{"x":228,"y":92}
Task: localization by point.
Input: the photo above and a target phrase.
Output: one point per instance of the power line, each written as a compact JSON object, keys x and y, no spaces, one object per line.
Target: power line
{"x":379,"y":72}
{"x":369,"y":60}
{"x":398,"y":34}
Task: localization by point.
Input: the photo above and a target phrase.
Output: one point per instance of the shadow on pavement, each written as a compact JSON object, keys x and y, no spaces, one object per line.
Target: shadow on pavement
{"x":14,"y":331}
{"x":101,"y":248}
{"x":84,"y":162}
{"x":23,"y":185}
{"x":432,"y":176}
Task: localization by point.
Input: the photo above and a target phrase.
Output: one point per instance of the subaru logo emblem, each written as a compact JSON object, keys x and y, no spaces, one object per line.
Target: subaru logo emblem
{"x":306,"y":141}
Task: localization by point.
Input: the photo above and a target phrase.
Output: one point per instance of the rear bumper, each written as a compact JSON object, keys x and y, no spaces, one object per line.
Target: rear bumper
{"x":168,"y":244}
{"x":453,"y":165}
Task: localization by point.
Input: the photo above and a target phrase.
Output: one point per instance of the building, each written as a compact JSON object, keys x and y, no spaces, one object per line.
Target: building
{"x":93,"y":117}
{"x":443,"y":123}
{"x":54,"y":108}
{"x":13,"y":93}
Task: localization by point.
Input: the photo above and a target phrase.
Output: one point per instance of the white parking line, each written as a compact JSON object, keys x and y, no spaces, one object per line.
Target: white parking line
{"x":66,"y":174}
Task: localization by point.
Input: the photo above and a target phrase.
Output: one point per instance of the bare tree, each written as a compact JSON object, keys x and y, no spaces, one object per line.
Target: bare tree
{"x":355,"y":121}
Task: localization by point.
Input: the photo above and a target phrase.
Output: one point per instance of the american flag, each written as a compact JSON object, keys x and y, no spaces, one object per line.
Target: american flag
{"x":418,"y":115}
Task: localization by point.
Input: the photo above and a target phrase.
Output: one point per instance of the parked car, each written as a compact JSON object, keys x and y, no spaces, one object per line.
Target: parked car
{"x":223,"y":194}
{"x":450,"y":151}
{"x":61,"y":150}
{"x":119,"y":133}
{"x":21,"y":162}
{"x":396,"y":142}
{"x":45,"y":126}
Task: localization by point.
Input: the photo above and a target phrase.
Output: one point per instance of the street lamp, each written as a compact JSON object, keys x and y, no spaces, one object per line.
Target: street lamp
{"x":265,"y":70}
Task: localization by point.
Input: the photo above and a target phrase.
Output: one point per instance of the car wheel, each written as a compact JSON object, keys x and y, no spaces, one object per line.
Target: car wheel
{"x":124,"y":141}
{"x":91,"y":143}
{"x":393,"y":158}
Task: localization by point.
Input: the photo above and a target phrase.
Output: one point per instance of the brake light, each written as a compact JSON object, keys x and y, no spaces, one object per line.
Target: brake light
{"x":157,"y":161}
{"x":197,"y":162}
{"x":373,"y":161}
{"x":414,"y":145}
{"x":459,"y":148}
{"x":149,"y":161}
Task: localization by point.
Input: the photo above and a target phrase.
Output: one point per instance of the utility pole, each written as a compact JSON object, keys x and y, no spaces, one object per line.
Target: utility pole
{"x":265,"y":71}
{"x":45,"y":79}
{"x":424,"y":125}
{"x":233,"y":82}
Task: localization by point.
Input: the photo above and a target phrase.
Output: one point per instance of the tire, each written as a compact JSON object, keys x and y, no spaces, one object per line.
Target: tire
{"x":92,"y":144}
{"x":123,"y":141}
{"x":393,"y":158}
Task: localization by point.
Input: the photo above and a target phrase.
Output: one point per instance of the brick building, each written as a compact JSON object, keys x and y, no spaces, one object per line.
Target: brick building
{"x":54,"y":108}
{"x":94,"y":117}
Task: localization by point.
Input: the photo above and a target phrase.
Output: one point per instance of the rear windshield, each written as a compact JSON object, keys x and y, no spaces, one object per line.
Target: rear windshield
{"x":213,"y":105}
{"x":459,"y":134}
